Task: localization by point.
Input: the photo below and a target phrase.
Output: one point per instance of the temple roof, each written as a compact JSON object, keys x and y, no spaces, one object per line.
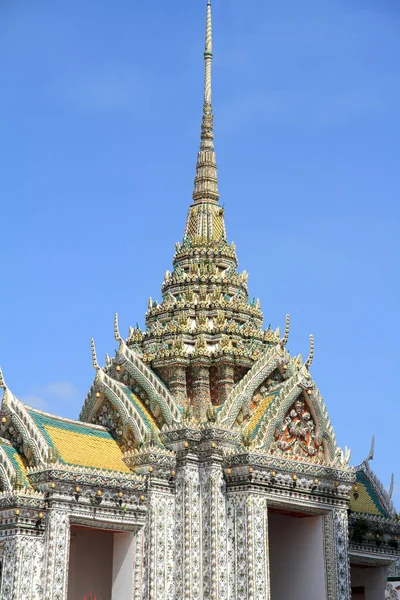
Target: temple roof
{"x":80,"y":444}
{"x":369,"y":496}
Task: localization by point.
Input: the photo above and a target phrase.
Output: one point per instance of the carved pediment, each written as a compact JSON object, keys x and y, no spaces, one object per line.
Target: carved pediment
{"x":296,"y":437}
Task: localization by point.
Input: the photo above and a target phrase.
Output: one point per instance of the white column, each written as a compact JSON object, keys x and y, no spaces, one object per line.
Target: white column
{"x":249,"y":516}
{"x":22,"y":568}
{"x":57,"y":555}
{"x":214,"y":534}
{"x":188,"y":576}
{"x":341,"y":553}
{"x":138,"y":565}
{"x":159,"y":547}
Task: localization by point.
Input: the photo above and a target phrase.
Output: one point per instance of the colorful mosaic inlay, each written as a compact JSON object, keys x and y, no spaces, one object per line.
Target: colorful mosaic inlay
{"x":259,"y":414}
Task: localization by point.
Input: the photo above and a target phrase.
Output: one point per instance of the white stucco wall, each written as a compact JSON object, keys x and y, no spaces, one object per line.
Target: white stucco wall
{"x":373,"y":579}
{"x":122,"y":573}
{"x":297,"y":560}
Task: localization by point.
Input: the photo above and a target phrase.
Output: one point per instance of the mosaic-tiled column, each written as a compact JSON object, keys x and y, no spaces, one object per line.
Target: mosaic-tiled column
{"x":225,"y":381}
{"x":138,"y":564}
{"x":201,"y":390}
{"x":177,"y":382}
{"x":187,"y":534}
{"x":214,"y":533}
{"x":249,"y":517}
{"x":159,"y":547}
{"x":341,"y":553}
{"x":22,"y":575}
{"x":57,"y":554}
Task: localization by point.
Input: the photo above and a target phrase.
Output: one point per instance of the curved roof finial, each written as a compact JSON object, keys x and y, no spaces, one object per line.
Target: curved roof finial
{"x":391,"y":487}
{"x":116,"y":329}
{"x":2,"y":382}
{"x":285,"y":338}
{"x":310,"y":358}
{"x":94,"y":357}
{"x":372,"y":450}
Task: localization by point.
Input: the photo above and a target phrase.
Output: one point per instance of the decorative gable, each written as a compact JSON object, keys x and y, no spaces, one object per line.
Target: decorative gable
{"x":296,"y":437}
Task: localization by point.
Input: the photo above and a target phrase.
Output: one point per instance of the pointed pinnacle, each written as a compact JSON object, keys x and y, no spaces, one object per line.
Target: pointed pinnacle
{"x":206,"y":180}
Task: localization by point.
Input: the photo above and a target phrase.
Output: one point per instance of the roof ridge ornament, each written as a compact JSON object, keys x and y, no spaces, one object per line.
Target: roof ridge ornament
{"x":310,"y":358}
{"x":94,"y":356}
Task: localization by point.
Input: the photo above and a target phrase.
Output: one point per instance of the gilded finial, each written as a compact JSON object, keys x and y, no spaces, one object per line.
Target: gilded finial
{"x":2,"y":382}
{"x":116,"y":329}
{"x":94,"y":357}
{"x":310,"y":358}
{"x":285,"y":338}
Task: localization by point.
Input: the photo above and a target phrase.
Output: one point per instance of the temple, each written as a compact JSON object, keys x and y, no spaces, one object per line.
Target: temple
{"x":203,"y":465}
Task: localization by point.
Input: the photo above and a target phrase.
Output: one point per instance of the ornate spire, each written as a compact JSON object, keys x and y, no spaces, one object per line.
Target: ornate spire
{"x":206,"y":182}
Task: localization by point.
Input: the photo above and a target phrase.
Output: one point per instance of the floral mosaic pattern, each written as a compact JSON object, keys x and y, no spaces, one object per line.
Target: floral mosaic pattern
{"x":159,"y":548}
{"x":187,"y":534}
{"x":214,"y":534}
{"x":57,"y":555}
{"x":23,"y":568}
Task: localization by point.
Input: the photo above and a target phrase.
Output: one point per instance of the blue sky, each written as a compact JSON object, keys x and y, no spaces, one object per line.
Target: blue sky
{"x":101,"y":106}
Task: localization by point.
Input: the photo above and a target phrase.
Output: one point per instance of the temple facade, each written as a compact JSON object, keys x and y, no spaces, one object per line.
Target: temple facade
{"x":203,"y":465}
